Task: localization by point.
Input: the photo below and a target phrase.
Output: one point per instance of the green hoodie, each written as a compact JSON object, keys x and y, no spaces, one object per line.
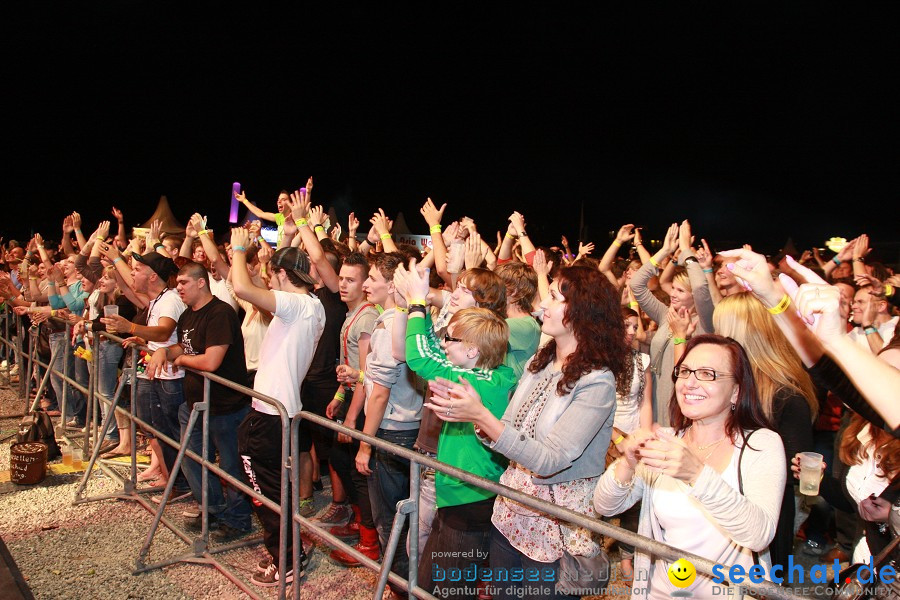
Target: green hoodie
{"x":458,"y":444}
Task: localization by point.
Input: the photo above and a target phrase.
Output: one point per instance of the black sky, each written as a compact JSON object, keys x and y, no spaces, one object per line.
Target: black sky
{"x":756,"y":123}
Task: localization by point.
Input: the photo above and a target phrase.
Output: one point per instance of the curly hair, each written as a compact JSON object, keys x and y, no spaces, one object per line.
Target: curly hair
{"x":595,"y":317}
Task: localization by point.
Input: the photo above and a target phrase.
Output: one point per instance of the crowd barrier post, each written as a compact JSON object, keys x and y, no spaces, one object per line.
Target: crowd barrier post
{"x":24,"y":374}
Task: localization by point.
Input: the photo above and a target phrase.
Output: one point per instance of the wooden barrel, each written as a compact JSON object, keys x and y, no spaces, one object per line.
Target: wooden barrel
{"x":28,"y":462}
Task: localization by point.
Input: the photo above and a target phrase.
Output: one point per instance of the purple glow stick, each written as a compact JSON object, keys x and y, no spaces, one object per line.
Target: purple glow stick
{"x":235,"y":190}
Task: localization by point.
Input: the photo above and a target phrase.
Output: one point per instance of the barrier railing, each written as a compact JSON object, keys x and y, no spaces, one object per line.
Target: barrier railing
{"x":406,"y":509}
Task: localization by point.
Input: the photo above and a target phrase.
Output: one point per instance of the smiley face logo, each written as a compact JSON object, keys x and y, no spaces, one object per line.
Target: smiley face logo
{"x":682,"y":573}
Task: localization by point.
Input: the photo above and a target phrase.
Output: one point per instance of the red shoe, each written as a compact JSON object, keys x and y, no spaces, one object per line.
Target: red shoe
{"x":368,"y":545}
{"x":350,"y":531}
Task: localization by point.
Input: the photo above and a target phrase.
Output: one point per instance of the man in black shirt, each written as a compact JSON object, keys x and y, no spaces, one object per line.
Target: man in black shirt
{"x":209,"y":339}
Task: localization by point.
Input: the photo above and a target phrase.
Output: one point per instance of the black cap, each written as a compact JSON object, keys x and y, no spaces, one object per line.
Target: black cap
{"x":296,"y":260}
{"x":161,"y":265}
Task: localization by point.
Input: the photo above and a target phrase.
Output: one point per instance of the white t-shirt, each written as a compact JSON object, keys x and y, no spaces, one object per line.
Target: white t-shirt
{"x":168,"y":304}
{"x":222,"y":290}
{"x":885,"y":330}
{"x":628,"y":408}
{"x":287,"y":350}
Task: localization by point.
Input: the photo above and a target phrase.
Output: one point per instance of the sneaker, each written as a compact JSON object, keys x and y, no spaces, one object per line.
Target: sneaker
{"x":226,"y":533}
{"x":306,"y":507}
{"x":335,"y":516}
{"x":175,"y":496}
{"x":195,"y":524}
{"x":270,"y":577}
{"x":191,"y":512}
{"x":812,"y":548}
{"x":265,"y":563}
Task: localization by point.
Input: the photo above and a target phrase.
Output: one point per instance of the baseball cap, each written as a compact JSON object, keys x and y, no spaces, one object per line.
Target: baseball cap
{"x":161,"y":265}
{"x":296,"y":260}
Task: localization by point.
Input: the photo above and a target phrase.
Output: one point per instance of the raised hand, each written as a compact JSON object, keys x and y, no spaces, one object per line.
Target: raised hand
{"x":299,"y":204}
{"x":117,"y":214}
{"x":68,"y":226}
{"x":76,"y":220}
{"x":670,"y":241}
{"x":541,"y":265}
{"x":685,"y":239}
{"x":637,"y":237}
{"x":254,"y":229}
{"x":380,"y":222}
{"x":239,"y":237}
{"x":518,"y":222}
{"x":861,"y":248}
{"x":752,"y":272}
{"x":335,"y":233}
{"x":265,"y":253}
{"x":241,"y":197}
{"x":352,"y":225}
{"x":704,"y":255}
{"x":432,"y":214}
{"x":584,"y":249}
{"x":191,"y":229}
{"x":450,"y":233}
{"x":316,"y":216}
{"x":474,"y":253}
{"x":626,"y":233}
{"x":563,"y":240}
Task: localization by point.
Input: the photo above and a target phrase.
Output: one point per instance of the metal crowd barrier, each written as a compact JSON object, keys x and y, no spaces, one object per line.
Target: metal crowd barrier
{"x":406,"y":509}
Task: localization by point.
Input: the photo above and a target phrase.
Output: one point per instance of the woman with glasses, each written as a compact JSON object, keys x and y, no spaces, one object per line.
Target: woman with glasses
{"x":712,"y":484}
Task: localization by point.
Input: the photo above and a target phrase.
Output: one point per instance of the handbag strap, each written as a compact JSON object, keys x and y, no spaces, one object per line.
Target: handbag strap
{"x":741,"y":483}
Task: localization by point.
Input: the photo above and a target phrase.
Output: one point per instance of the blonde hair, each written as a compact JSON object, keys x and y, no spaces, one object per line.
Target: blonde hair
{"x":482,"y":328}
{"x":775,"y":363}
{"x":681,"y":276}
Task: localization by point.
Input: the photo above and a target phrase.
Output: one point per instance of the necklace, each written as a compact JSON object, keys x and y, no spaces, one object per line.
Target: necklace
{"x":707,"y":446}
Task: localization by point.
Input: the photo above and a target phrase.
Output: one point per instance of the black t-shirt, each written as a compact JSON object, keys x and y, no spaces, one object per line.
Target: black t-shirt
{"x":322,"y":369}
{"x":216,"y":324}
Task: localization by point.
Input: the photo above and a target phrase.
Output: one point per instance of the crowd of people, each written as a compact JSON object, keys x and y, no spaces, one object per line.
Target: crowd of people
{"x":672,"y":388}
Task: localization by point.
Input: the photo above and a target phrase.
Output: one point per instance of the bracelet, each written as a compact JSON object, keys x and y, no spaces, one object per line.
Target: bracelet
{"x":781,"y":306}
{"x":204,"y":232}
{"x":300,"y":222}
{"x":623,"y":485}
{"x":435,"y":228}
{"x":339,"y":395}
{"x":133,"y":326}
{"x":238,"y":249}
{"x":510,"y":236}
{"x":639,"y":245}
{"x":888,"y":290}
{"x":707,"y":270}
{"x":401,"y":309}
{"x":860,"y":259}
{"x":318,"y":227}
{"x":618,"y":440}
{"x":78,"y":229}
{"x":362,"y":377}
{"x":523,"y":234}
{"x":653,"y":262}
{"x":632,"y":305}
{"x":870,"y":330}
{"x":117,"y":259}
{"x":417,"y":308}
{"x":617,"y":243}
{"x":386,"y":236}
{"x":676,"y":341}
{"x":52,"y":311}
{"x":836,"y":260}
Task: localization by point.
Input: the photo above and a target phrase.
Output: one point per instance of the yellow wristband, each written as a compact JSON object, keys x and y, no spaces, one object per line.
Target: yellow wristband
{"x":132,"y":328}
{"x":888,"y":290}
{"x":318,"y":227}
{"x":618,"y":440}
{"x":653,"y":262}
{"x":204,"y":232}
{"x":617,"y":243}
{"x":300,"y":222}
{"x":510,"y":236}
{"x":435,"y":228}
{"x":402,"y":309}
{"x":386,"y":236}
{"x":362,"y":377}
{"x":781,"y":306}
{"x":339,"y":395}
{"x":414,"y":301}
{"x":53,"y":313}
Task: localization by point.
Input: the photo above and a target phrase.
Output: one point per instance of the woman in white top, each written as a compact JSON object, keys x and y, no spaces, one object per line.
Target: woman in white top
{"x":687,"y":477}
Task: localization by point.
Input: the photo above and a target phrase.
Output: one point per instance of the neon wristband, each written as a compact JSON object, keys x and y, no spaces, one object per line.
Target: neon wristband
{"x":386,"y":236}
{"x":401,"y":309}
{"x":617,"y":243}
{"x":676,"y":341}
{"x":318,"y":227}
{"x":361,"y":378}
{"x":510,"y":236}
{"x":300,"y":222}
{"x":888,"y":290}
{"x":53,"y":313}
{"x":416,"y":302}
{"x":435,"y":228}
{"x":707,"y":270}
{"x":632,"y":304}
{"x":653,"y":262}
{"x":781,"y":306}
{"x":618,"y":440}
{"x":238,"y":249}
{"x":836,"y":260}
{"x":204,"y":232}
{"x":870,"y":330}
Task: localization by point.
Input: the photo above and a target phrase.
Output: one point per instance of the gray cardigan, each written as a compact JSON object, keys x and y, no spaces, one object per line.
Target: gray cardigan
{"x":572,"y":432}
{"x":661,"y":352}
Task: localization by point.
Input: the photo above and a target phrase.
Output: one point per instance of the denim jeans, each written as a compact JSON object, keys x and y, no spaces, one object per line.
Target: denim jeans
{"x":163,"y":398}
{"x":505,"y":558}
{"x":232,"y":506}
{"x":389,"y":485}
{"x":108,"y":380}
{"x":76,"y":405}
{"x":427,"y":506}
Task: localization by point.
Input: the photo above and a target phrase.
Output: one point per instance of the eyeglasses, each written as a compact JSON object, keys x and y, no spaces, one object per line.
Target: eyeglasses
{"x":702,"y":374}
{"x":448,"y":339}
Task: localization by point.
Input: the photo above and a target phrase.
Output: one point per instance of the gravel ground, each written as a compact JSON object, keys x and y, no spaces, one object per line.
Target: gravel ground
{"x":89,"y":550}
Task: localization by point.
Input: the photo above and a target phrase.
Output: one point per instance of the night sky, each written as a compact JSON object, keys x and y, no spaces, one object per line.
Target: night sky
{"x":755,"y":123}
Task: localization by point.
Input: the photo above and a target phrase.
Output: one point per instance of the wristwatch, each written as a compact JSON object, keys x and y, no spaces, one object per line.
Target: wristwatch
{"x":690,"y":259}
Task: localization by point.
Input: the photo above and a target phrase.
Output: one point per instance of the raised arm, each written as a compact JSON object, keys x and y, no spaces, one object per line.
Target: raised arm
{"x":240,"y":277}
{"x":625,"y":234}
{"x":76,"y":223}
{"x":647,"y":301}
{"x":433,"y":216}
{"x":382,"y":225}
{"x":242,"y":198}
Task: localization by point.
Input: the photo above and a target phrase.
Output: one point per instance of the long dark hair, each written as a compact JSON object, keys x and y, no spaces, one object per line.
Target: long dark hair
{"x":748,"y":414}
{"x":593,"y":313}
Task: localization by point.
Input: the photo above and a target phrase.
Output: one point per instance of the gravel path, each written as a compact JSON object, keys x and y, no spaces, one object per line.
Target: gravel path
{"x":89,"y":550}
